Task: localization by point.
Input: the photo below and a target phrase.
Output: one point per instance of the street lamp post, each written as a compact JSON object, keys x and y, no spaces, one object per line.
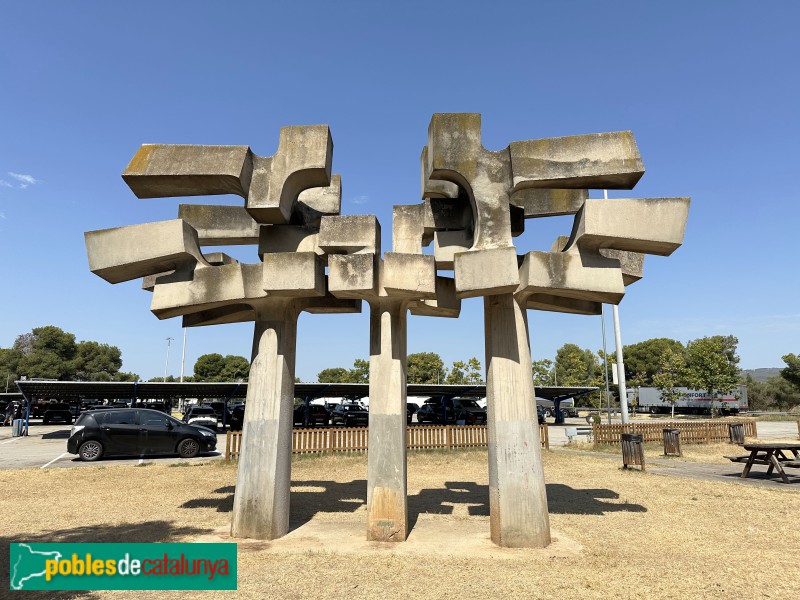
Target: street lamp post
{"x":166,"y":362}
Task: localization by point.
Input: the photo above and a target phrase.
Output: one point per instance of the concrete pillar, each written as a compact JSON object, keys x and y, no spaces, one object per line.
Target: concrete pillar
{"x":387,"y":509}
{"x":261,"y":502}
{"x":517,"y":494}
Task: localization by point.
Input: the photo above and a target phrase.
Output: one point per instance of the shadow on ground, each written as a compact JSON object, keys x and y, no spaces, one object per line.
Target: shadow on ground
{"x":148,"y":531}
{"x":311,"y":497}
{"x":60,"y":434}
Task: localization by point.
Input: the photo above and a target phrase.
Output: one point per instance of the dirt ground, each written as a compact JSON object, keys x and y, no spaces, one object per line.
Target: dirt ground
{"x":620,"y":534}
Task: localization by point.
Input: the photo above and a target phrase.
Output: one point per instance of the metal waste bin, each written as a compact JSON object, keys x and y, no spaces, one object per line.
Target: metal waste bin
{"x":17,"y":427}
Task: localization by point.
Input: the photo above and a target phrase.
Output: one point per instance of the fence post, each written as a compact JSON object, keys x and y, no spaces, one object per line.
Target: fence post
{"x":228,"y":446}
{"x":708,"y":432}
{"x":447,"y":433}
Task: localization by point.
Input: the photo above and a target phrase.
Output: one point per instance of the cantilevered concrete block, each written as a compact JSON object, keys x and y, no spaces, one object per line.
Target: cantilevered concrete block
{"x":409,"y":275}
{"x":486,"y":272}
{"x":572,"y":275}
{"x":296,"y":274}
{"x":408,"y":228}
{"x":315,"y":203}
{"x":549,"y":203}
{"x":601,"y":160}
{"x":434,"y":188}
{"x":288,"y":238}
{"x":352,"y":275}
{"x":220,"y":225}
{"x":212,"y":258}
{"x":448,"y":214}
{"x":209,"y":287}
{"x":446,"y":303}
{"x":125,"y":253}
{"x":646,"y":225}
{"x":303,"y":161}
{"x":560,"y":304}
{"x":162,"y":170}
{"x":446,"y":244}
{"x":360,"y":234}
{"x":270,"y":185}
{"x":631,"y":264}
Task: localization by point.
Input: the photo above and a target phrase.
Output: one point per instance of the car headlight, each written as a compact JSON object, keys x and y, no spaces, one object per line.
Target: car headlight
{"x":208,"y":433}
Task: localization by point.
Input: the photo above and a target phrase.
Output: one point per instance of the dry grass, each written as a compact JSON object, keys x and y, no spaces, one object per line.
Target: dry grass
{"x":643,"y":535}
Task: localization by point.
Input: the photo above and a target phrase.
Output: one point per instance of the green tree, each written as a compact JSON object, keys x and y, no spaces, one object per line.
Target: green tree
{"x":9,"y":365}
{"x":575,"y":366}
{"x":465,"y":372}
{"x":96,"y":362}
{"x":425,"y":367}
{"x":791,"y":372}
{"x":48,"y":352}
{"x":542,"y":371}
{"x":334,"y":375}
{"x":670,"y":376}
{"x":360,"y":371}
{"x":712,"y":365}
{"x":786,"y":396}
{"x":215,"y":367}
{"x":642,"y":359}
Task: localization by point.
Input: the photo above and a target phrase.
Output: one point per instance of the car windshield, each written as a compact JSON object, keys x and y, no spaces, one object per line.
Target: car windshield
{"x":352,"y":407}
{"x":469,"y":404}
{"x":202,"y":410}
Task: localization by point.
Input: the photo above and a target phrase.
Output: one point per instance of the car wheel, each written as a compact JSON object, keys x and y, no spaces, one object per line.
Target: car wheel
{"x":547,"y":413}
{"x":188,"y":448}
{"x":90,"y":451}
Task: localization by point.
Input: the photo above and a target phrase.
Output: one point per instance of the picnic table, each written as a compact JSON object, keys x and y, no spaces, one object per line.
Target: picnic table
{"x":774,"y":455}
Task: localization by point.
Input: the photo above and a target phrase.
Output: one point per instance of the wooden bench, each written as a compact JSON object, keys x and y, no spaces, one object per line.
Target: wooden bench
{"x":738,"y":459}
{"x":791,"y":463}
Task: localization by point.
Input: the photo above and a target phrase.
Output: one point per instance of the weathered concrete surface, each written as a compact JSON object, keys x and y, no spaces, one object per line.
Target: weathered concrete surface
{"x":596,"y":161}
{"x":359,"y":234}
{"x":537,"y":202}
{"x":261,"y":502}
{"x":446,"y":303}
{"x":446,"y":244}
{"x":288,"y":238}
{"x":352,"y":275}
{"x":296,"y":274}
{"x":478,"y":273}
{"x":517,"y":494}
{"x":411,"y":276}
{"x":646,"y":225}
{"x":387,"y":510}
{"x":125,"y":253}
{"x":220,"y":225}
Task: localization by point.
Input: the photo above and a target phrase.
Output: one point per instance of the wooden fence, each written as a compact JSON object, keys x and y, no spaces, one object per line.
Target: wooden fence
{"x":354,"y":439}
{"x":692,"y":432}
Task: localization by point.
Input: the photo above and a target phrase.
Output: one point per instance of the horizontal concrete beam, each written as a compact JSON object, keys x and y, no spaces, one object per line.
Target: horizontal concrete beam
{"x":126,"y":253}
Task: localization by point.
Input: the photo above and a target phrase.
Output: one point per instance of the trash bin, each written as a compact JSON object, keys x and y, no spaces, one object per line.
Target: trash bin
{"x":17,"y":427}
{"x":736,"y":433}
{"x":632,"y":450}
{"x":672,"y":442}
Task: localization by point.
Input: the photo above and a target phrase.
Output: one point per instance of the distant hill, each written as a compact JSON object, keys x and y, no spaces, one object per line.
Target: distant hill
{"x":761,"y":374}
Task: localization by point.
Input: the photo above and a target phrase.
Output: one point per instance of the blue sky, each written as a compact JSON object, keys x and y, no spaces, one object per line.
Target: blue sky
{"x":710,"y":89}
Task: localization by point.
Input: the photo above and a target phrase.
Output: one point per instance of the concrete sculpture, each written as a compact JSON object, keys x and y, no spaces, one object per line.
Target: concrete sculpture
{"x":474,"y":203}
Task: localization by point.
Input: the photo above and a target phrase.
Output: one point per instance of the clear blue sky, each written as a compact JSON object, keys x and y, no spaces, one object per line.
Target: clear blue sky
{"x":710,"y":89}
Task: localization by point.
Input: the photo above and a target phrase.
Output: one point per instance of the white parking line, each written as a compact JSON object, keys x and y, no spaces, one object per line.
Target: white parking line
{"x":60,"y":456}
{"x":16,"y":439}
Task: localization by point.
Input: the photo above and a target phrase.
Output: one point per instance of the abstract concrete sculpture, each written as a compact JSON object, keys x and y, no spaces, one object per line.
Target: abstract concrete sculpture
{"x":474,"y":203}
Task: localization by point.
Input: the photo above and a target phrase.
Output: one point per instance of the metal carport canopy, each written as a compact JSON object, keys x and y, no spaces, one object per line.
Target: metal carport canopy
{"x":113,"y":390}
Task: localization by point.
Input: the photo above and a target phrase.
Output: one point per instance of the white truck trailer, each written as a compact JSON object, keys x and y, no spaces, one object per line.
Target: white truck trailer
{"x":692,"y":402}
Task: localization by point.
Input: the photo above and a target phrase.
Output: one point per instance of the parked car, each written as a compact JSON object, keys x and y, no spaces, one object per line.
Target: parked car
{"x":451,"y":410}
{"x":540,"y":414}
{"x":134,"y":432}
{"x":57,"y":412}
{"x":201,"y":415}
{"x":317,"y":415}
{"x":349,"y":414}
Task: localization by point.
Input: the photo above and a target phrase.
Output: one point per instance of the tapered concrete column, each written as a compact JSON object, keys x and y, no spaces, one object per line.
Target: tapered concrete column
{"x":387,"y":510}
{"x":261,"y":502}
{"x":517,"y":495}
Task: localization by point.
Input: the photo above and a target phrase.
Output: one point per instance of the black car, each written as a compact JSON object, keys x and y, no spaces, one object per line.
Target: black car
{"x":540,"y":414}
{"x":411,"y":408}
{"x":349,"y":414}
{"x":317,"y":415}
{"x":451,"y":410}
{"x":57,"y":412}
{"x":135,"y":432}
{"x":237,"y":417}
